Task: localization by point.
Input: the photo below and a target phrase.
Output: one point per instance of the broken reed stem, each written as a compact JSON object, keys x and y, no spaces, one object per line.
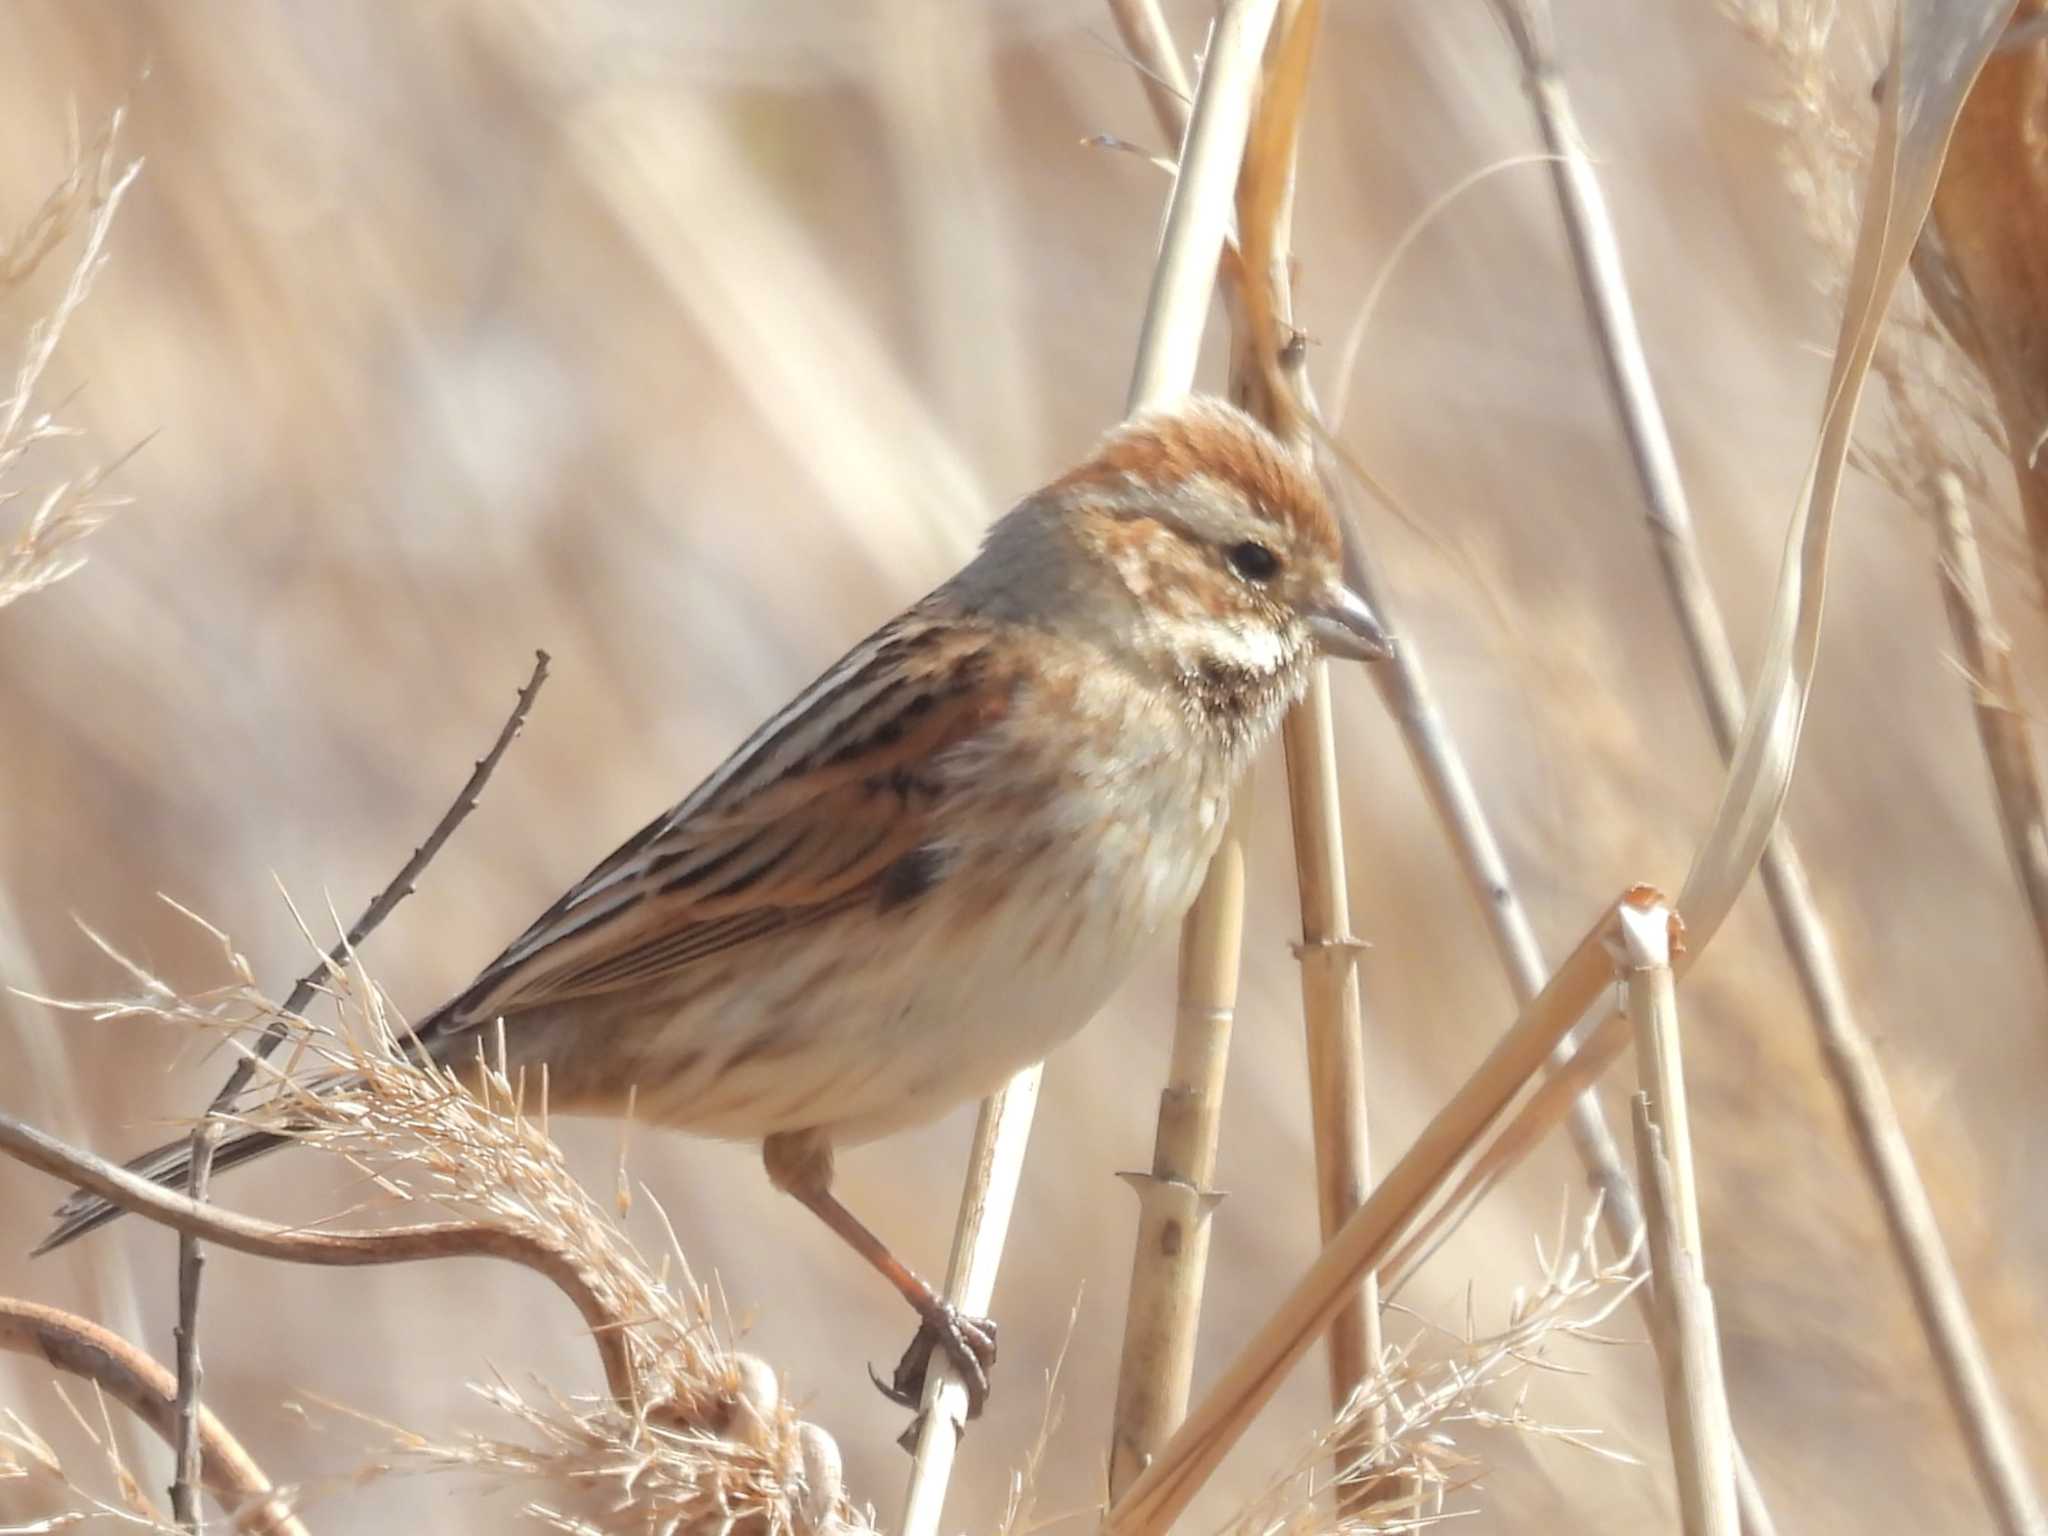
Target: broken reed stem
{"x":1176,"y":1475}
{"x":1002,"y":1134}
{"x":296,"y":1245}
{"x":1175,"y":1199}
{"x":1986,"y":657}
{"x":1165,"y":1306}
{"x":142,"y":1386}
{"x":1695,"y":1397}
{"x":207,"y":1133}
{"x":1881,"y":1144}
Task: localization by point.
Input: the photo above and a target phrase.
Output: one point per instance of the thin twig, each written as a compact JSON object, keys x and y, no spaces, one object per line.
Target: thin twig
{"x":294,"y":1245}
{"x":1001,"y":1135}
{"x":1986,"y":657}
{"x":142,"y":1385}
{"x":1880,"y":1142}
{"x":191,"y":1263}
{"x":1695,"y":1397}
{"x":207,"y":1133}
{"x":402,"y":885}
{"x":1389,"y":1213}
{"x":1170,"y":1255}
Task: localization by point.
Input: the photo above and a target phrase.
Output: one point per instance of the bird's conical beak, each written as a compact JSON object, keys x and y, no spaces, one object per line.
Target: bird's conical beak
{"x":1345,"y":626}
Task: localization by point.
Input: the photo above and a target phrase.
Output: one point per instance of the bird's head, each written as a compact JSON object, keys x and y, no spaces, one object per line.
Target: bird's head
{"x":1199,"y":549}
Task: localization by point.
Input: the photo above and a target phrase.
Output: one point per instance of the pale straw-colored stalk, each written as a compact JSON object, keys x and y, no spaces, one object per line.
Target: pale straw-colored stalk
{"x":1170,"y":1259}
{"x":1403,"y":683}
{"x":1271,"y":381}
{"x":1171,"y":1251}
{"x":1002,"y":1134}
{"x":1198,"y":215}
{"x":1761,"y":750}
{"x":1695,"y":1396}
{"x":1393,"y":1209}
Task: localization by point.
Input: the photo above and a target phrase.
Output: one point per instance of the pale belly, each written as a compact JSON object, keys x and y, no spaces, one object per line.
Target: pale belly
{"x":891,"y":1020}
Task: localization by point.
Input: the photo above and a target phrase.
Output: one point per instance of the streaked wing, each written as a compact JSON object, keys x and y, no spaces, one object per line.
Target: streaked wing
{"x":830,"y":804}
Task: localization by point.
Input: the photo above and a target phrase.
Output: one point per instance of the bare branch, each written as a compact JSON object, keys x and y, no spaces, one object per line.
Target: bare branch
{"x":267,"y":1240}
{"x":402,"y":885}
{"x":142,"y":1385}
{"x":207,"y":1133}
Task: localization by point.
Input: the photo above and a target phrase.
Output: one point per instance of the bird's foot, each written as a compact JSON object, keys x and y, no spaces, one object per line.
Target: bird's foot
{"x":969,"y":1342}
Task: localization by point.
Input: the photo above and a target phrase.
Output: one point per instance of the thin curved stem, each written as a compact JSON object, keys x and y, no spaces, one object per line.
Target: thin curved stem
{"x":267,"y":1240}
{"x":145,"y":1388}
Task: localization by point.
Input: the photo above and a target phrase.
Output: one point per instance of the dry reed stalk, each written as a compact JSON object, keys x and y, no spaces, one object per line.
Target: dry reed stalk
{"x":1403,"y":684}
{"x":1404,"y":689}
{"x":1270,"y":379}
{"x":1334,"y":1016}
{"x":1909,"y":166}
{"x":1171,"y":1249}
{"x":1002,"y":1133}
{"x":1176,"y":1475}
{"x":1985,"y":654}
{"x":1170,"y":1257}
{"x":1695,"y":1397}
{"x":1198,"y":215}
{"x":142,"y":1385}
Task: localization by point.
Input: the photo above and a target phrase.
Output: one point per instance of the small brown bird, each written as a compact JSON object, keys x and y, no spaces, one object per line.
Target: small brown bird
{"x":941,"y":858}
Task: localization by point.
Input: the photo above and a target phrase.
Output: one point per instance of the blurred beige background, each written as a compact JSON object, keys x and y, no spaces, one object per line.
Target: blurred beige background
{"x":689,"y":342}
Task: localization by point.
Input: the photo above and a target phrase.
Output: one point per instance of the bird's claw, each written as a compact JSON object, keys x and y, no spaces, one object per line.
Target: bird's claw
{"x":969,"y":1343}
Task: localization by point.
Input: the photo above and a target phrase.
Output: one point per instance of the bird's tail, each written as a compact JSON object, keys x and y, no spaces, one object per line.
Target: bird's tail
{"x":169,"y":1165}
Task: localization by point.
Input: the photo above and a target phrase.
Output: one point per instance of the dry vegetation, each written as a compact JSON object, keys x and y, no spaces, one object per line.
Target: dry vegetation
{"x":483,"y":329}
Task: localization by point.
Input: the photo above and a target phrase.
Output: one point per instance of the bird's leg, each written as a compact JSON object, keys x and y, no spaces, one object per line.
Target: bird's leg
{"x":800,"y":1163}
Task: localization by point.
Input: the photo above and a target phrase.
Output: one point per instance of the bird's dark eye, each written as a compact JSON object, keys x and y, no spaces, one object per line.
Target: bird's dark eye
{"x":1253,"y":561}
